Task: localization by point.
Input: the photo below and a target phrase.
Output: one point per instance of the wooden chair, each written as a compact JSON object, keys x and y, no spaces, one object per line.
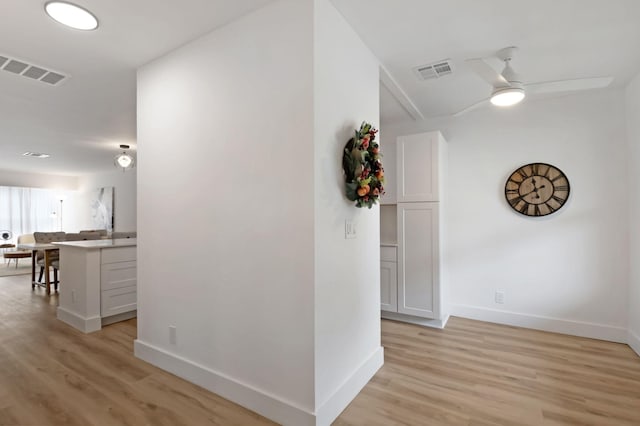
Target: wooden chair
{"x":118,"y":235}
{"x":47,"y":237}
{"x":103,"y":232}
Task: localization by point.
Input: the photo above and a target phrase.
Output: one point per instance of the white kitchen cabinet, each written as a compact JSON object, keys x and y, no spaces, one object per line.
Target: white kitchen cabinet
{"x":99,"y":284}
{"x":419,"y":260}
{"x":388,"y":279}
{"x":421,"y":290}
{"x":118,"y":285}
{"x":419,"y":160}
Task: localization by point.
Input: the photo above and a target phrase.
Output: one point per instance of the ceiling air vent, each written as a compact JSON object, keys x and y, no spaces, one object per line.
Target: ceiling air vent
{"x":30,"y":71}
{"x":435,"y":70}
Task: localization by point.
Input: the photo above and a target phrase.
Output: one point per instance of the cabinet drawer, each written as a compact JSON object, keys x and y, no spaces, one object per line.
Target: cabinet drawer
{"x":388,"y":254}
{"x":118,"y":301}
{"x":118,"y":254}
{"x":118,"y":275}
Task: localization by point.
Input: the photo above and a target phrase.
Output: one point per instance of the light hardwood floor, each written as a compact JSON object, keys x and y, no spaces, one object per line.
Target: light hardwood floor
{"x":472,"y":373}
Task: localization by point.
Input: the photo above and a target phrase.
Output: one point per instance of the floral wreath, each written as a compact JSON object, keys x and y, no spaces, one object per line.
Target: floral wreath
{"x":362,"y":165}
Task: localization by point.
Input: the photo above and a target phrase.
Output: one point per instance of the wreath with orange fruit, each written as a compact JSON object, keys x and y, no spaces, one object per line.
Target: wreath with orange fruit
{"x":362,"y":165}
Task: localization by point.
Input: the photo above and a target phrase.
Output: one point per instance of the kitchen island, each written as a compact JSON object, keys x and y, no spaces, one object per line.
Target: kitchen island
{"x":98,"y":284}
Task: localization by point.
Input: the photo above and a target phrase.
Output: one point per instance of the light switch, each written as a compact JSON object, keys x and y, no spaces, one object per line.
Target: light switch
{"x":349,"y":229}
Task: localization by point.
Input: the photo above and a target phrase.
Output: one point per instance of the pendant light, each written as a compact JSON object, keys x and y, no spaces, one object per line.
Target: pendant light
{"x":124,"y":160}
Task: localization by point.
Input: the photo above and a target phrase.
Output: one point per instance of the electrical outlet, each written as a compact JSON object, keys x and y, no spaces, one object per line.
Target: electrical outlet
{"x":500,"y":297}
{"x":172,"y":334}
{"x":73,"y":296}
{"x":349,"y":229}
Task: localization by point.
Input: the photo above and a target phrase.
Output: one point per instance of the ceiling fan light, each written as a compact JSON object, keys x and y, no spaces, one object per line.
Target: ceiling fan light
{"x":507,"y":96}
{"x":71,"y":15}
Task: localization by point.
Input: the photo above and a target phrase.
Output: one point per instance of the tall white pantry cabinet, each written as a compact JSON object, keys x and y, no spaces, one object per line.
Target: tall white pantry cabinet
{"x":419,"y":295}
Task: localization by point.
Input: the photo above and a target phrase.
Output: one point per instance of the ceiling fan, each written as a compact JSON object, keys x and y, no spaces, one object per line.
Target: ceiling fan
{"x":509,"y":89}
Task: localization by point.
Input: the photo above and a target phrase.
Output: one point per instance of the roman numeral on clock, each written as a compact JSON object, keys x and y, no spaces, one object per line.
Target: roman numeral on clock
{"x":514,"y":201}
{"x":522,"y":173}
{"x":561,"y":188}
{"x":534,"y":169}
{"x":524,"y":207}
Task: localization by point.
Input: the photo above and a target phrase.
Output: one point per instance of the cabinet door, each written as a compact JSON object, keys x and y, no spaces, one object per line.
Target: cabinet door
{"x":418,"y":260}
{"x":388,"y":286}
{"x":417,"y":168}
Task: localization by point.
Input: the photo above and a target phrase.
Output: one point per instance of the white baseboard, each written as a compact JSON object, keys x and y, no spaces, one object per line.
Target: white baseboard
{"x":119,"y":317}
{"x":633,"y":340}
{"x":270,"y":406}
{"x":555,"y":325}
{"x":337,"y":402}
{"x":415,"y":320}
{"x":86,"y":325}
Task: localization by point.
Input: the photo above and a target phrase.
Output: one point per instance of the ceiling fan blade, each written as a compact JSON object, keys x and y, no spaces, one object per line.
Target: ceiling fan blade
{"x":487,"y":73}
{"x":568,"y":85}
{"x":471,"y":107}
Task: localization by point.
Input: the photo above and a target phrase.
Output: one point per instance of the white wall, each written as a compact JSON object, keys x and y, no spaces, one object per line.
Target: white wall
{"x":124,"y":204}
{"x":225,"y":208}
{"x":36,"y":180}
{"x":347,"y":320}
{"x":273,"y":308}
{"x":567,"y":272}
{"x":633,"y":134}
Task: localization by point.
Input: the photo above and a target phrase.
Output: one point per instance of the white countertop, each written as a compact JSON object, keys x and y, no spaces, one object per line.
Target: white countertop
{"x":99,"y":244}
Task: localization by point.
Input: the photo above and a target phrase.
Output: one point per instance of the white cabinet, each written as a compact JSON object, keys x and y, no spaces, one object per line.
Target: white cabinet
{"x":118,"y":286}
{"x":98,"y":283}
{"x":388,"y":279}
{"x":420,"y":296}
{"x":418,"y":162}
{"x":419,"y":260}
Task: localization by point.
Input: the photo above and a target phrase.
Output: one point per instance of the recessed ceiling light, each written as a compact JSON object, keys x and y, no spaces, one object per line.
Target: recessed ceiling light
{"x":36,"y":154}
{"x":71,"y":15}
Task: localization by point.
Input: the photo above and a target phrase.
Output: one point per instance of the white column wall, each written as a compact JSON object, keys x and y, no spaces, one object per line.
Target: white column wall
{"x":225,"y":210}
{"x":633,"y":134}
{"x":347,"y":270}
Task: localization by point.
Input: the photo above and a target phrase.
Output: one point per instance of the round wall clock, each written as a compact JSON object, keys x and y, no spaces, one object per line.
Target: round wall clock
{"x":537,"y":189}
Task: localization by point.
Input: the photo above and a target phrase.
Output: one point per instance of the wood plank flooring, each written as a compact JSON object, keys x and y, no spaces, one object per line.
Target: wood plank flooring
{"x":476,"y":373}
{"x":472,"y":373}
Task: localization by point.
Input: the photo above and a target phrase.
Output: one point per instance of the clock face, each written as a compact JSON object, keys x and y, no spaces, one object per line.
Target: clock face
{"x":537,"y":189}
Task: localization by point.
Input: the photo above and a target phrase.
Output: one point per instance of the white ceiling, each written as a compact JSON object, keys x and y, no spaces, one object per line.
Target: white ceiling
{"x":82,"y":122}
{"x":558,"y":39}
